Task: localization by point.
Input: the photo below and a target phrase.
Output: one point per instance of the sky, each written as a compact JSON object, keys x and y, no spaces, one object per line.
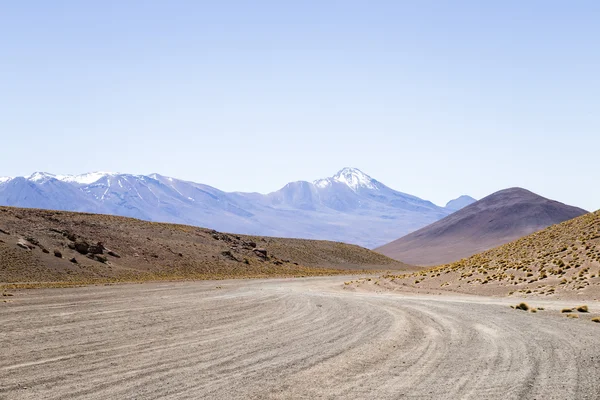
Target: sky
{"x":432,"y":98}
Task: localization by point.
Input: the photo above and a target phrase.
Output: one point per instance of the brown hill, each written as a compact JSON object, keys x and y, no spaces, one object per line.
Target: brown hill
{"x":561,"y":260}
{"x":492,"y":221}
{"x":57,"y":246}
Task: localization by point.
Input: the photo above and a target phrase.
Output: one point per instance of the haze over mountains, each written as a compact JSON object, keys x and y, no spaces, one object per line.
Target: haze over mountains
{"x":350,"y":206}
{"x":492,"y":221}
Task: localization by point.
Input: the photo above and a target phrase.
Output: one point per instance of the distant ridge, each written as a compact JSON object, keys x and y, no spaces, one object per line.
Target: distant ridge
{"x":349,"y":206}
{"x":461,"y":202}
{"x":494,"y":220}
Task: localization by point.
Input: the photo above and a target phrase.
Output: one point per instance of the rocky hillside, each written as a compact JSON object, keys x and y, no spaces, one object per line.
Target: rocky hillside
{"x":490,"y":222}
{"x":562,"y":259}
{"x":58,"y":246}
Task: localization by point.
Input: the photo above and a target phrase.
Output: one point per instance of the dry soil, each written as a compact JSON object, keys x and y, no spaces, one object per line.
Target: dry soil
{"x":289,"y":338}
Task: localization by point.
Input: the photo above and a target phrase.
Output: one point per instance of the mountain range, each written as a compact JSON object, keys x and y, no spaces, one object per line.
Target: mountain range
{"x":496,"y":219}
{"x":349,"y":207}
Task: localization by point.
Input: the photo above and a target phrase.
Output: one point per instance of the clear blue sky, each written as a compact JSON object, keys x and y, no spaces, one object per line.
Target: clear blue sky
{"x":436,"y":99}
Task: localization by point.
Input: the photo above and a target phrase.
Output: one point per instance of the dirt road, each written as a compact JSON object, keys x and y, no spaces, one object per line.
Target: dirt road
{"x":282,"y":339}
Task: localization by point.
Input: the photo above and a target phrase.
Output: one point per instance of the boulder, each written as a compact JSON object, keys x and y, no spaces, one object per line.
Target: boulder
{"x":81,"y":246}
{"x":57,"y":254}
{"x":228,"y":254}
{"x":33,"y":241}
{"x":70,"y":235}
{"x":96,"y":248}
{"x":260,"y":252}
{"x":23,"y":244}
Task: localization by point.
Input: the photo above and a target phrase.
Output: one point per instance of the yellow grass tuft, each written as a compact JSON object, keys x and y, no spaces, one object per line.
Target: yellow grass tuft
{"x":522,"y":306}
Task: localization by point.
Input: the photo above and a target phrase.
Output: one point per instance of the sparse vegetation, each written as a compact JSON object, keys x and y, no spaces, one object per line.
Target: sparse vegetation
{"x":565,"y":257}
{"x":522,"y":306}
{"x":108,"y":249}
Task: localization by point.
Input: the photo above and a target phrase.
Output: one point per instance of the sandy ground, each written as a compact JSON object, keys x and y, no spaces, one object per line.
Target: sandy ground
{"x":287,"y":339}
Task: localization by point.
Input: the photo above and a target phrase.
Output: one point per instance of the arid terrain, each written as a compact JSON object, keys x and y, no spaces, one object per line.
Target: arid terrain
{"x":561,"y":261}
{"x":300,"y":338}
{"x":521,"y":321}
{"x":42,"y":247}
{"x":497,"y":219}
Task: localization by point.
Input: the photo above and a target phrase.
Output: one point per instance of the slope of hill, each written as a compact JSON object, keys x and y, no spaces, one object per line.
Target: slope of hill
{"x":494,"y":220}
{"x":349,"y":207}
{"x":561,"y":260}
{"x":57,"y":246}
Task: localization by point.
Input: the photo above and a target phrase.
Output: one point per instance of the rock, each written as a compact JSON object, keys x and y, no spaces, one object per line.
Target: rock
{"x":251,"y":244}
{"x":23,"y":245}
{"x":260,"y":252}
{"x":71,"y":246}
{"x":73,"y":260}
{"x":57,"y":254}
{"x":81,"y":246}
{"x":96,"y":248}
{"x":100,"y":258}
{"x":45,"y":251}
{"x":4,"y":232}
{"x":229,"y":255}
{"x":70,"y":235}
{"x":113,"y":254}
{"x":33,"y":241}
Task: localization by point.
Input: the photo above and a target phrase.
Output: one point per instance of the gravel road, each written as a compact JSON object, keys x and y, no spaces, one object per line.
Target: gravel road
{"x":287,"y":339}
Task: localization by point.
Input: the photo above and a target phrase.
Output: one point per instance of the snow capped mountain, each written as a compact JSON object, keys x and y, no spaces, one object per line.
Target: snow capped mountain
{"x":350,"y":206}
{"x":84,"y":179}
{"x":351,"y":177}
{"x":4,"y":179}
{"x":40,"y":177}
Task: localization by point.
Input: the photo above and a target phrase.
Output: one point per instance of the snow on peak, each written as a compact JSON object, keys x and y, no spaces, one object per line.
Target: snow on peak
{"x":84,"y":179}
{"x":40,"y":176}
{"x":351,"y":177}
{"x":4,"y":179}
{"x":158,"y":177}
{"x":322,"y":183}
